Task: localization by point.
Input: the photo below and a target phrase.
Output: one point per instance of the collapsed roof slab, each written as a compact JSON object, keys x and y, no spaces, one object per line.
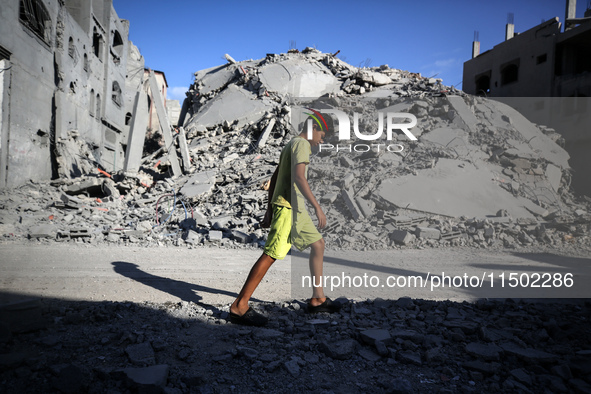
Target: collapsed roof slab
{"x":215,"y":78}
{"x":454,"y":188}
{"x":298,"y":78}
{"x":543,"y":145}
{"x":233,"y":103}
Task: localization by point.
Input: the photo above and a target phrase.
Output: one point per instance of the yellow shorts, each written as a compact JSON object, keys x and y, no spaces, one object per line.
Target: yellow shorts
{"x":283,"y":234}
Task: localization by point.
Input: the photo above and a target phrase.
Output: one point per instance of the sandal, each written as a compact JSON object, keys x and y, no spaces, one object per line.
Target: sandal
{"x":250,"y":318}
{"x":327,"y":306}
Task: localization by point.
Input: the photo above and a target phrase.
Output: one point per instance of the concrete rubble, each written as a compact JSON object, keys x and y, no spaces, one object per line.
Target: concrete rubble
{"x":480,"y":174}
{"x":382,"y":346}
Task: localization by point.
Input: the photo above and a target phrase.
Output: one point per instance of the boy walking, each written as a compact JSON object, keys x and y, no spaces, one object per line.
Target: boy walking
{"x":290,"y":223}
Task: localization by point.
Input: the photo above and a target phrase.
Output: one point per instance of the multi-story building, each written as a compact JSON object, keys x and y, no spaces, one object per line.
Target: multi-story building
{"x":67,"y":71}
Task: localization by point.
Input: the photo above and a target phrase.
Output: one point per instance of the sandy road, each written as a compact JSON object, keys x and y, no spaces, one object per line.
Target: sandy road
{"x":214,"y":275}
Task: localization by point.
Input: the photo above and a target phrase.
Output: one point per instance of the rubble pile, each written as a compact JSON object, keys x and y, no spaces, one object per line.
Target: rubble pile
{"x":397,"y":346}
{"x":479,"y":174}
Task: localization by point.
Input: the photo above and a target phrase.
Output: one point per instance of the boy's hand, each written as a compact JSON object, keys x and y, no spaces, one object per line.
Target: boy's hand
{"x":321,"y":217}
{"x":266,"y":223}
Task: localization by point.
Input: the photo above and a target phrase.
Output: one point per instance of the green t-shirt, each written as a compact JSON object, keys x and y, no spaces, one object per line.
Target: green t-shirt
{"x":297,"y":151}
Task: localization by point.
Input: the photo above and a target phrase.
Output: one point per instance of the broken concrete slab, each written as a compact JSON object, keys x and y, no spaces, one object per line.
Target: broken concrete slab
{"x":199,"y":183}
{"x":543,"y":145}
{"x":141,"y":354}
{"x":453,"y":188}
{"x":464,"y":112}
{"x":299,"y":78}
{"x":554,"y":176}
{"x":265,"y":134}
{"x":233,"y":104}
{"x":149,"y":378}
{"x":43,"y":231}
{"x":402,"y":237}
{"x":215,"y":78}
{"x":351,"y":204}
{"x":428,"y":233}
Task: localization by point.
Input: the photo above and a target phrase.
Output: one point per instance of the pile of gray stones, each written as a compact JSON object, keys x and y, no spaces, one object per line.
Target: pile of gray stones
{"x":385,"y":346}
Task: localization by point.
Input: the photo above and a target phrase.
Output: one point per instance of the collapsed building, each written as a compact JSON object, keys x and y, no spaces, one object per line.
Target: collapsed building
{"x":70,"y":64}
{"x":478,"y":174}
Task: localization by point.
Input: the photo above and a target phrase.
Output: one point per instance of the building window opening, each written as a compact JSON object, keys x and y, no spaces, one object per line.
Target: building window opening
{"x":117,"y":43}
{"x":92,"y":104}
{"x":127,"y":118}
{"x":34,"y":15}
{"x":116,"y":94}
{"x":482,"y":85}
{"x":98,"y":106}
{"x":71,"y":49}
{"x":85,"y":62}
{"x":541,"y":59}
{"x":509,"y":74}
{"x":97,"y":43}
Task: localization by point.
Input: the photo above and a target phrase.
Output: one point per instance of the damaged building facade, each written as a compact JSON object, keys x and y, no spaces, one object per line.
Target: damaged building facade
{"x":544,"y":73}
{"x":540,"y":62}
{"x":69,"y":77}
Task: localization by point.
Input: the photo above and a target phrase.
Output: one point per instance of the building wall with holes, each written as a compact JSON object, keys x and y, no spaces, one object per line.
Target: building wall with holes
{"x":27,"y":95}
{"x":66,"y":81}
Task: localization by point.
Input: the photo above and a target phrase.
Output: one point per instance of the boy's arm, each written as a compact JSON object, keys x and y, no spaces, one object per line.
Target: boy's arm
{"x":302,"y":184}
{"x":269,"y":214}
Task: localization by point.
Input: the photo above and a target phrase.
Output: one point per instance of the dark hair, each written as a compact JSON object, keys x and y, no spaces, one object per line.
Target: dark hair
{"x":324,"y":122}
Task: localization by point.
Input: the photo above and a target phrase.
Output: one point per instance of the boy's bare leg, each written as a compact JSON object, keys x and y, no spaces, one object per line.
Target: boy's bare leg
{"x":257,"y":272}
{"x":316,"y":264}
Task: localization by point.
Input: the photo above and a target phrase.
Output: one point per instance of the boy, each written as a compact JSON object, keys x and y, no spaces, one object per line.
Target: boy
{"x":290,"y":223}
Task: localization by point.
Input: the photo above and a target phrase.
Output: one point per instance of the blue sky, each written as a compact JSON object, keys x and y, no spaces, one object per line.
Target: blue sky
{"x":433,"y":38}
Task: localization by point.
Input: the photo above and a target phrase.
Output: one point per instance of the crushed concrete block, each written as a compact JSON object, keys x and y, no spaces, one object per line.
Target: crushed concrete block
{"x":232,"y":104}
{"x":341,"y":350}
{"x":141,"y":354}
{"x":347,"y":162}
{"x":43,"y":231}
{"x":230,"y":158}
{"x":265,"y":134}
{"x":464,"y":112}
{"x":230,"y":59}
{"x":349,"y":178}
{"x":364,"y":207}
{"x":149,"y":377}
{"x":554,"y":175}
{"x":301,"y":79}
{"x":428,"y":233}
{"x":79,"y":232}
{"x":215,"y":235}
{"x":239,"y":236}
{"x":373,"y":78}
{"x":90,"y":185}
{"x":110,"y":190}
{"x":329,"y":197}
{"x":402,"y":237}
{"x":375,"y":335}
{"x":292,"y":367}
{"x":351,"y":204}
{"x":200,"y":183}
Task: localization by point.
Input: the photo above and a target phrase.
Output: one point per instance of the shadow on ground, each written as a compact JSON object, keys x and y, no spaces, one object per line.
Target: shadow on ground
{"x":405,"y":345}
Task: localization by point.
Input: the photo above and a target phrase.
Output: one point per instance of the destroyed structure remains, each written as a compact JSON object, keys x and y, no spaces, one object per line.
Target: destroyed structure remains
{"x":480,"y":174}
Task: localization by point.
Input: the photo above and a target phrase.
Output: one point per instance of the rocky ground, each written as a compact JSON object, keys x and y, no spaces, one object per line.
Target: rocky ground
{"x":401,"y":346}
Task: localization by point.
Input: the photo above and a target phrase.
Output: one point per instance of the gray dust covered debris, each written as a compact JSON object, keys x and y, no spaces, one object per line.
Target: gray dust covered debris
{"x":478,"y":174}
